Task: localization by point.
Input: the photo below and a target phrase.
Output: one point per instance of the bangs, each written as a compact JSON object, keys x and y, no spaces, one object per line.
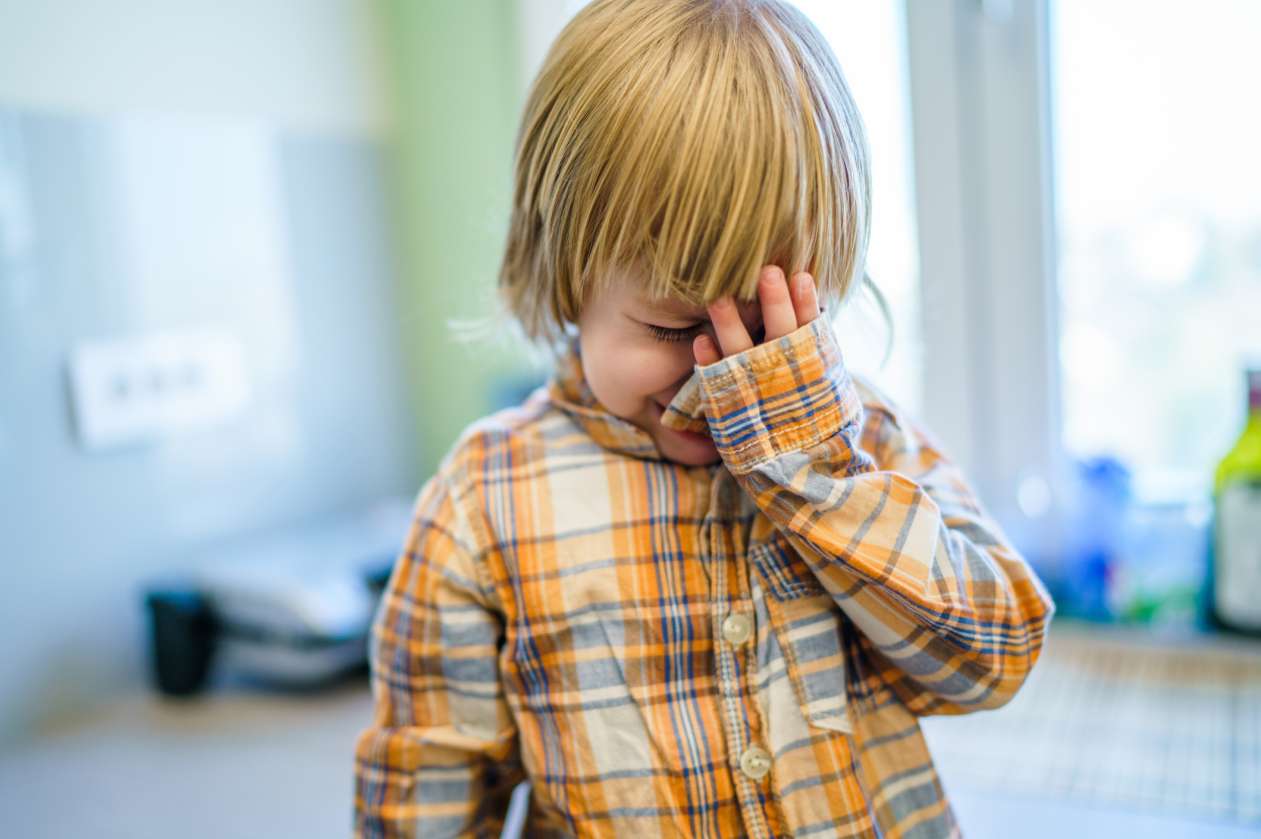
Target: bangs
{"x":694,"y":142}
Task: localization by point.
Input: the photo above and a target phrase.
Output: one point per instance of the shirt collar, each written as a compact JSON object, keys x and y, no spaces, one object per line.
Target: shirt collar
{"x":569,"y":391}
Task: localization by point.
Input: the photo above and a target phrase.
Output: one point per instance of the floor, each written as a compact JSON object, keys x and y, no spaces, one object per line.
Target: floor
{"x":150,"y":768}
{"x":243,"y":764}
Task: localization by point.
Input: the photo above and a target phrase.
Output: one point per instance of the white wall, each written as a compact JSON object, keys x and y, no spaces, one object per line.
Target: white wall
{"x":165,"y":164}
{"x":312,"y":64}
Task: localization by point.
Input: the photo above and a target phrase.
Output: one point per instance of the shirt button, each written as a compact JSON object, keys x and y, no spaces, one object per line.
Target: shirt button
{"x":755,"y":762}
{"x":736,"y":628}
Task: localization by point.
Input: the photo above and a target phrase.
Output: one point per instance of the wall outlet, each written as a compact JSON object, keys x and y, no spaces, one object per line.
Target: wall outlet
{"x":143,"y":388}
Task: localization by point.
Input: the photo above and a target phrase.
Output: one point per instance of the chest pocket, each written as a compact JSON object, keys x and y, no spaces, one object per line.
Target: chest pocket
{"x":807,"y":624}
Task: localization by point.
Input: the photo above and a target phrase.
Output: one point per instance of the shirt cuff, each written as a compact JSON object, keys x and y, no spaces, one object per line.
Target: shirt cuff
{"x":777,"y":397}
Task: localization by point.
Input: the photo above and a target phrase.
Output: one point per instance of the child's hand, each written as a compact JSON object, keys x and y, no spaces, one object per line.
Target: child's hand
{"x":782,"y":312}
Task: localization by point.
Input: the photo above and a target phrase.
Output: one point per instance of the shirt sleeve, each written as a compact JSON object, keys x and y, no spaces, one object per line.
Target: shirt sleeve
{"x":954,"y":613}
{"x":441,"y":757}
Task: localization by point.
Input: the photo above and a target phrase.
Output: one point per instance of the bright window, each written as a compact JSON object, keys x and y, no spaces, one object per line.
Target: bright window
{"x":1158,"y":195}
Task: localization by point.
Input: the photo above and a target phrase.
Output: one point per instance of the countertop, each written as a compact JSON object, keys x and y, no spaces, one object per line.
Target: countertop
{"x":242,"y":762}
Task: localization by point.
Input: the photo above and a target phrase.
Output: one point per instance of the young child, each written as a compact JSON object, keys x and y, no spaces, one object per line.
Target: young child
{"x":706,"y":579}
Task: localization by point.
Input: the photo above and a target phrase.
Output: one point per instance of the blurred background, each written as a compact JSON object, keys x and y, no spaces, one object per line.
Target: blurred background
{"x":233,"y":237}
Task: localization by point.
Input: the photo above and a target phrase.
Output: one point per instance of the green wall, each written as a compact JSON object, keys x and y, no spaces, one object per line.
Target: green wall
{"x":453,"y":66}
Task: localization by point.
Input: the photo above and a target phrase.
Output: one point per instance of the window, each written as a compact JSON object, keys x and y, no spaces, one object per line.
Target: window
{"x":1159,"y":222}
{"x":1088,"y":230}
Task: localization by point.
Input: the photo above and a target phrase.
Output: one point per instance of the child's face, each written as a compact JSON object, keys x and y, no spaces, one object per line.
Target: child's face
{"x":635,"y":370}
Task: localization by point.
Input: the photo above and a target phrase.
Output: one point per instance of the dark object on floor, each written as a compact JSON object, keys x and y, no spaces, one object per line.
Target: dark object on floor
{"x":291,"y":610}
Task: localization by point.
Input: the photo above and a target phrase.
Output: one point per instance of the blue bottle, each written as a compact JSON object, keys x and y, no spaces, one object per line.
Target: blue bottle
{"x":1102,"y":493}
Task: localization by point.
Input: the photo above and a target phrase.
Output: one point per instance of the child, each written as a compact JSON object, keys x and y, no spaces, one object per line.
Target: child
{"x":703,"y":582}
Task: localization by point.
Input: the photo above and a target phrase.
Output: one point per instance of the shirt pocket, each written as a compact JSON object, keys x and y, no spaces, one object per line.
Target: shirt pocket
{"x":808,"y":627}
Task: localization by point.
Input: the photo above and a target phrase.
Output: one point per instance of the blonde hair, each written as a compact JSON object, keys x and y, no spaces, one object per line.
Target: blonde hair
{"x":691,"y":140}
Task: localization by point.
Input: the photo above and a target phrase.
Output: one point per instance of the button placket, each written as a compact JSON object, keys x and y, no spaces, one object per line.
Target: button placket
{"x":733,"y":620}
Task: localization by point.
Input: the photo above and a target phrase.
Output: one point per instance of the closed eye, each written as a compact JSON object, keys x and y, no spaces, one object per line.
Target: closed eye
{"x":665,"y":333}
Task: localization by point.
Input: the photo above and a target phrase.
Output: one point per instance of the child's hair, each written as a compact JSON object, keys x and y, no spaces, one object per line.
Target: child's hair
{"x":691,"y":141}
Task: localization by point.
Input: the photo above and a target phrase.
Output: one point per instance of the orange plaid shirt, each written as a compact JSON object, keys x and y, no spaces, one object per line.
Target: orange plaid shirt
{"x":740,"y":649}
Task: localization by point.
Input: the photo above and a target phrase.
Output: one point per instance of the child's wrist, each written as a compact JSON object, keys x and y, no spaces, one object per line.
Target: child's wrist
{"x":778,"y":397}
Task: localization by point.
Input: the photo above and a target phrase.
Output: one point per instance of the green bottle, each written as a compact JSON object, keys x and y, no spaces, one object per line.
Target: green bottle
{"x":1236,"y":565}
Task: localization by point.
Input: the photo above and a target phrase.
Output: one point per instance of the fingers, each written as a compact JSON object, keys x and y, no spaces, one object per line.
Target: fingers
{"x":778,"y":307}
{"x":732,"y":335}
{"x":704,"y":350}
{"x":805,"y":298}
{"x":785,"y":308}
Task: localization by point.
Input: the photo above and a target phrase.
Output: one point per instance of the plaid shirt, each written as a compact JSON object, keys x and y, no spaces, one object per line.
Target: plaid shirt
{"x":740,"y":649}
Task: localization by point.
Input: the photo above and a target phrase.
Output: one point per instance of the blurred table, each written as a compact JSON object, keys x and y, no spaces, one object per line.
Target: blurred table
{"x":1115,"y":733}
{"x":1118,"y":726}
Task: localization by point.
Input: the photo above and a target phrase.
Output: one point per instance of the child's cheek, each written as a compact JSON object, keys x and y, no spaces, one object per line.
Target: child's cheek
{"x":657,"y":371}
{"x":607,"y":373}
{"x":626,"y":376}
{"x":642,"y":368}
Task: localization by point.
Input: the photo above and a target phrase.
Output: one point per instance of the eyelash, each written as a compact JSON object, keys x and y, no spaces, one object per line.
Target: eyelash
{"x":662,"y":333}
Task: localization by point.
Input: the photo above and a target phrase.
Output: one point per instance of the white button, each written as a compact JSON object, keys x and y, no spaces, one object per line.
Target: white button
{"x":736,"y":628}
{"x":755,"y":762}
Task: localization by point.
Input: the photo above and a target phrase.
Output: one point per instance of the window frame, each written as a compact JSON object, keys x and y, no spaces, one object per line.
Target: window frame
{"x":980,"y":95}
